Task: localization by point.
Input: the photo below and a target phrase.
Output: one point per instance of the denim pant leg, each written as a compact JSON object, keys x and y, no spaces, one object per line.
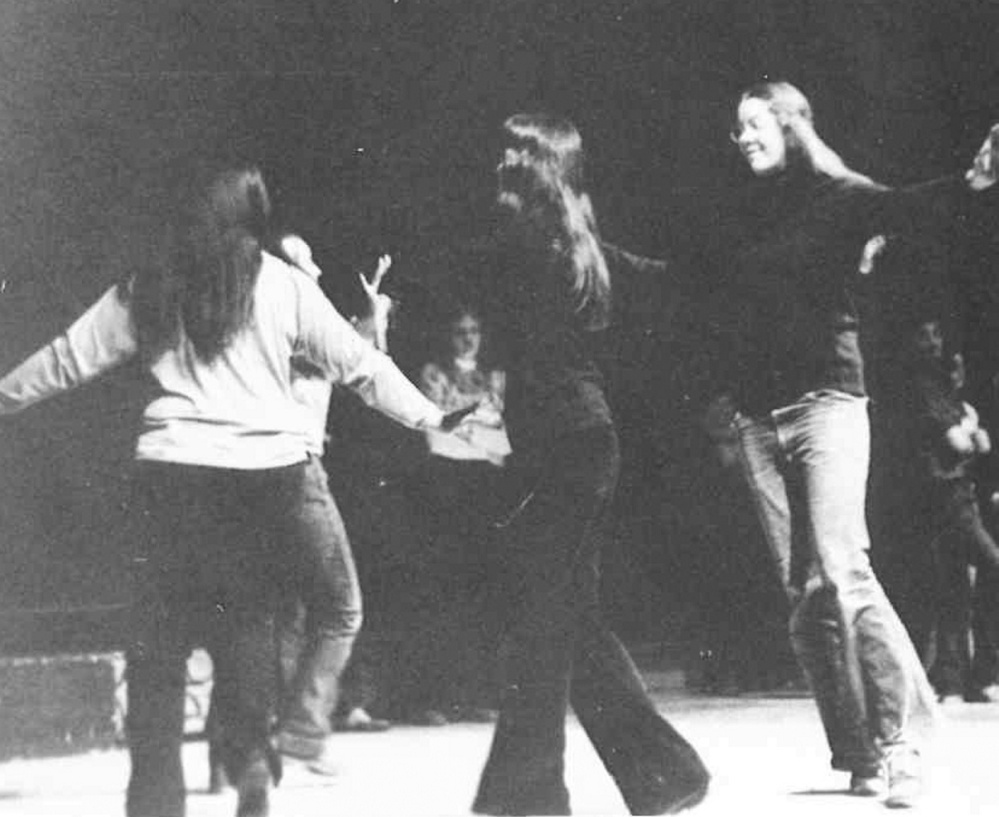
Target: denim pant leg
{"x":549,"y":555}
{"x":325,"y":577}
{"x":818,"y":629}
{"x":166,"y":524}
{"x":155,"y":727}
{"x":203,"y":577}
{"x":834,"y":450}
{"x":650,"y":761}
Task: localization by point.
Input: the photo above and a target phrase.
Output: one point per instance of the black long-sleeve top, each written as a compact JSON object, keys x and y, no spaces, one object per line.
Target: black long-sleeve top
{"x":555,"y":379}
{"x":774,"y":276}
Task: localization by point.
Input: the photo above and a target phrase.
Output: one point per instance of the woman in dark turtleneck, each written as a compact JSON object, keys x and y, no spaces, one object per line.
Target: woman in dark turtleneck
{"x":784,"y":344}
{"x":552,"y":282}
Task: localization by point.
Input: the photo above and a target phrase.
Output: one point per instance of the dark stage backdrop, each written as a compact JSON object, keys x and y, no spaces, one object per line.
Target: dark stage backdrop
{"x":375,"y":122}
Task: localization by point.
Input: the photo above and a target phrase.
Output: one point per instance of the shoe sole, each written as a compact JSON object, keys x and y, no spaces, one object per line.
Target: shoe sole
{"x":902,"y":800}
{"x":691,"y":800}
{"x":901,"y":803}
{"x":298,"y":748}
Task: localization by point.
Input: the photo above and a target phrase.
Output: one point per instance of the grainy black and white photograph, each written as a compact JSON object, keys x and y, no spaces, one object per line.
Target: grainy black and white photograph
{"x":428,"y":408}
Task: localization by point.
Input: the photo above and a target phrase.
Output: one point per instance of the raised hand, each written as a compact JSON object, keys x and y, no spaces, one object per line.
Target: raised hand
{"x":982,"y":173}
{"x":379,"y":304}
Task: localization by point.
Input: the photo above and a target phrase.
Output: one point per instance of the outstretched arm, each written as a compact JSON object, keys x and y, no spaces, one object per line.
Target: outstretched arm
{"x":646,"y":290}
{"x":99,"y":340}
{"x":327,"y":339}
{"x":908,"y":209}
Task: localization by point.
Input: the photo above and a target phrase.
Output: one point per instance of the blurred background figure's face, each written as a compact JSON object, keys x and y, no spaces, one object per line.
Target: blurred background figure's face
{"x":760,"y":137}
{"x":928,"y":340}
{"x":466,"y":337}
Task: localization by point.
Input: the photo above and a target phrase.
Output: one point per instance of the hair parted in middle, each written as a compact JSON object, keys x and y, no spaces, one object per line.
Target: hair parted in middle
{"x":549,"y":175}
{"x":805,"y":147}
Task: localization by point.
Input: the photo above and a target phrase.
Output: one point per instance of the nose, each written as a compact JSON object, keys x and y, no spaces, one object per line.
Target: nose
{"x":745,"y":137}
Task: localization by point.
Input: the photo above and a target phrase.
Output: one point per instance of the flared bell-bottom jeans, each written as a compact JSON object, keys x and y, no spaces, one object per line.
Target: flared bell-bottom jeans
{"x":558,"y":649}
{"x":806,"y":465}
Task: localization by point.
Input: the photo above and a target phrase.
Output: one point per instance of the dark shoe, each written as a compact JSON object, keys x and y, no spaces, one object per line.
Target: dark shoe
{"x":978,"y":696}
{"x":254,"y":787}
{"x":298,"y":747}
{"x":358,"y":720}
{"x":218,"y":780}
{"x":683,"y":787}
{"x":474,"y":714}
{"x":426,"y":717}
{"x":314,"y":752}
{"x":679,"y":800}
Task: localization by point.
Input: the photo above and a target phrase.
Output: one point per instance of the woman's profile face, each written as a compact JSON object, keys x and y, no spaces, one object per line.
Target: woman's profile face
{"x":760,"y":137}
{"x":510,"y":174}
{"x":466,"y":337}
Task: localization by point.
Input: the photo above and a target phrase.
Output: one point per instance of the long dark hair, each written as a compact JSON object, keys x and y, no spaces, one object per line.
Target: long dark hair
{"x":547,"y":174}
{"x":203,"y":286}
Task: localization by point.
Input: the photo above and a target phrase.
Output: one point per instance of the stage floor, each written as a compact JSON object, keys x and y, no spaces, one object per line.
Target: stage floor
{"x":767,"y":755}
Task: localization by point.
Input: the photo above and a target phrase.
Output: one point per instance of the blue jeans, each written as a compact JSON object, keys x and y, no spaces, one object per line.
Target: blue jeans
{"x":318,"y":575}
{"x":806,"y":465}
{"x":324,"y":580}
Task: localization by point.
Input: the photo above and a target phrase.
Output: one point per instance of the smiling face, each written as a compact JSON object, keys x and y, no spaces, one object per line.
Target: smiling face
{"x":760,"y":137}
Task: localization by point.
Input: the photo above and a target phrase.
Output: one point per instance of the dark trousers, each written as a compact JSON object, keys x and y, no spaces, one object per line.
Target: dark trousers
{"x":559,"y":650}
{"x":447,"y":658}
{"x":963,"y":541}
{"x":207,"y":573}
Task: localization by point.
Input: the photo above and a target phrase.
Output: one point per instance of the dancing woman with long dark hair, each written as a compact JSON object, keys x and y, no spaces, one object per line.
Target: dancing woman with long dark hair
{"x":554,"y":291}
{"x":223,"y":522}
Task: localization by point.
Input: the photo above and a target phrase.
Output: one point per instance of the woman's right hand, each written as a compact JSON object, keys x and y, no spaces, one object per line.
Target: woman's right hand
{"x":454,"y":419}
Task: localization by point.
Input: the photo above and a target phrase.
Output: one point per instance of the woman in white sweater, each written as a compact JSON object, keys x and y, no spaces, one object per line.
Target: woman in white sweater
{"x":221,"y":456}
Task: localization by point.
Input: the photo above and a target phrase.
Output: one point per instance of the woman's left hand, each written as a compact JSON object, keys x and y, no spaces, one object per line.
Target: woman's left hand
{"x":983,"y":171}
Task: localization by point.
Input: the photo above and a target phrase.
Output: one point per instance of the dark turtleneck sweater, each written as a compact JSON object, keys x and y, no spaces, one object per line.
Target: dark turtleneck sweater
{"x":555,"y":380}
{"x":774,"y":272}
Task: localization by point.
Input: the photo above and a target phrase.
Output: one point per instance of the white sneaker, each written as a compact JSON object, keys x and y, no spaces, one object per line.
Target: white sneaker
{"x":905,"y":780}
{"x":866,"y":784}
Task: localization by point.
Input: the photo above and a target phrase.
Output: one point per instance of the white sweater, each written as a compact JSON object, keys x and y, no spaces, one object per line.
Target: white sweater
{"x":240,"y":410}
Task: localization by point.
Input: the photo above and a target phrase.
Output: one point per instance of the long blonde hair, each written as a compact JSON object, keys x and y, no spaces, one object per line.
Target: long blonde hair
{"x":794,"y":113}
